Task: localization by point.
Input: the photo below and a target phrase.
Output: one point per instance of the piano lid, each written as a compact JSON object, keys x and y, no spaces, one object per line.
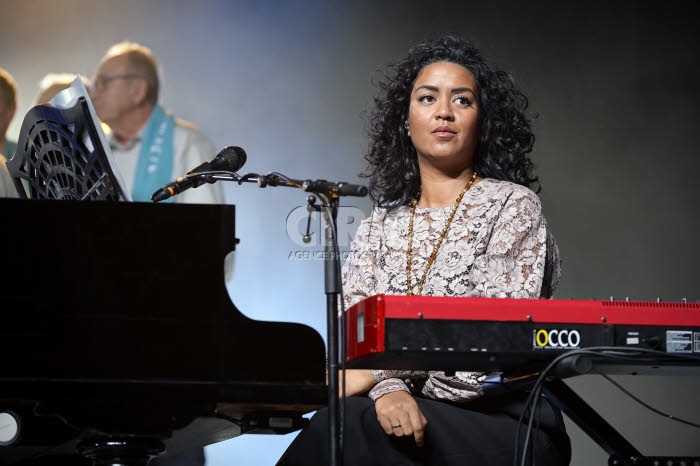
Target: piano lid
{"x":135,"y":290}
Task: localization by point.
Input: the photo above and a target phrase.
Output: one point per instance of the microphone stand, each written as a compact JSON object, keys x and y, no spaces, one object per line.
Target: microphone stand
{"x":332,"y":289}
{"x":331,"y":199}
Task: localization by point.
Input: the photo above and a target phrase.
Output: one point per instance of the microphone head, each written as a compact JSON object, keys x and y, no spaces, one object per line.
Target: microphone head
{"x":233,"y":158}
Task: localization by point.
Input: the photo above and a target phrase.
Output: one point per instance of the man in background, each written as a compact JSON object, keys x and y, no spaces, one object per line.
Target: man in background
{"x":8,"y":105}
{"x":53,"y":83}
{"x":7,"y":187}
{"x":150,"y":147}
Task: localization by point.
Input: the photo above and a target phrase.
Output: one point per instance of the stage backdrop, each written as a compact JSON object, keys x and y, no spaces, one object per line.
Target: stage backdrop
{"x":615,"y":87}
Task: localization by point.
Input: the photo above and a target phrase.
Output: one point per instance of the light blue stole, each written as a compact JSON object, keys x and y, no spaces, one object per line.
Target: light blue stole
{"x":10,"y":149}
{"x":155,"y":164}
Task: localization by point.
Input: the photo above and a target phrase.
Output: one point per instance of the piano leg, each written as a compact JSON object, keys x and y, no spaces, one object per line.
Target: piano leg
{"x":127,"y":451}
{"x":622,"y":453}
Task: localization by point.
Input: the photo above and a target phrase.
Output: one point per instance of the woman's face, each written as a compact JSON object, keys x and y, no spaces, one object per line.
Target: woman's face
{"x":443,"y":115}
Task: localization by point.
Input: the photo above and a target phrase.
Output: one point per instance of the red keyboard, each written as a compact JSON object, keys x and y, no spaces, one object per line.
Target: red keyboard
{"x":452,"y":333}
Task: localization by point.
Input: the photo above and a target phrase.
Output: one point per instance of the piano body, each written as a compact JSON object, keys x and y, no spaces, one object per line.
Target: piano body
{"x":120,"y":340}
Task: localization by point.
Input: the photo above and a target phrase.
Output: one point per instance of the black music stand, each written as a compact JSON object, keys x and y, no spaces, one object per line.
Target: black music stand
{"x":60,"y":155}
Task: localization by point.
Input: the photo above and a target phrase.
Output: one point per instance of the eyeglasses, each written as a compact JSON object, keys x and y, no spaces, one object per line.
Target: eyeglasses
{"x":101,"y":82}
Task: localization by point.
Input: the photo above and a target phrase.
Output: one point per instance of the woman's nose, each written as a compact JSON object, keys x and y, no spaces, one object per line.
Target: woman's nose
{"x":444,"y":111}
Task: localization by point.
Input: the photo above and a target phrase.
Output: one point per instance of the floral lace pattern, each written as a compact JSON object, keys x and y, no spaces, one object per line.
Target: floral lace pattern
{"x":496,"y":246}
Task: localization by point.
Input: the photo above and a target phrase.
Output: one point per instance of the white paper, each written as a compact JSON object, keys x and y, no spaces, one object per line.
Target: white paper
{"x":68,"y":98}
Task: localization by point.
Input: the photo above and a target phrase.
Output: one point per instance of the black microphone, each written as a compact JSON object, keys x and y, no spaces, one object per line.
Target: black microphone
{"x":341,"y":188}
{"x":230,"y":159}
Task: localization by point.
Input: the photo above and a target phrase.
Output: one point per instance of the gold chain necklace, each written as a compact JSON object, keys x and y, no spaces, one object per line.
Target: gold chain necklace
{"x":432,"y":257}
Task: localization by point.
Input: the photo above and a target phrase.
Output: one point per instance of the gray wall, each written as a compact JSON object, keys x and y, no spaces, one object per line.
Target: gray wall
{"x":615,"y":87}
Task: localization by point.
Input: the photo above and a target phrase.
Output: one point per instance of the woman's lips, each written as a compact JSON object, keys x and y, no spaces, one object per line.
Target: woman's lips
{"x":444,"y":132}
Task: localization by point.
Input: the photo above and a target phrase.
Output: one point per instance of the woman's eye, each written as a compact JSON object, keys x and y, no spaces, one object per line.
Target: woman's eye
{"x":462,"y":100}
{"x":426,"y":99}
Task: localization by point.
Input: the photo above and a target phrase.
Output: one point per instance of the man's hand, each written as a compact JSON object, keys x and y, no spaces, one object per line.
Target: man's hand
{"x":399,"y":415}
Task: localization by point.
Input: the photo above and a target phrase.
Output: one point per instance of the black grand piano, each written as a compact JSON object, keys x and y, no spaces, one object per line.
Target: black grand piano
{"x":119,"y":340}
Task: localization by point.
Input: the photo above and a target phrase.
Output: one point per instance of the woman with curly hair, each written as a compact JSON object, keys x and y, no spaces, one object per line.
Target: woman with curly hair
{"x":450,"y":172}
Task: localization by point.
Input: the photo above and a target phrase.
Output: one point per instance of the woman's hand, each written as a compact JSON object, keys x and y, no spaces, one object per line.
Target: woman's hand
{"x":400,"y":409}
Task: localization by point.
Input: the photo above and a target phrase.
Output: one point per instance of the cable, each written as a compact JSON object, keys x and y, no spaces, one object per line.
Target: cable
{"x":610,"y":352}
{"x":647,"y":406}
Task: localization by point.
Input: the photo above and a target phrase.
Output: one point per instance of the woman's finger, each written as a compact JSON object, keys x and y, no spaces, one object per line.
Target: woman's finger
{"x":418,"y":423}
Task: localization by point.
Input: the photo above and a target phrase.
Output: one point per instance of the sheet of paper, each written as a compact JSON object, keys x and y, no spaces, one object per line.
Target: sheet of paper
{"x":68,"y":98}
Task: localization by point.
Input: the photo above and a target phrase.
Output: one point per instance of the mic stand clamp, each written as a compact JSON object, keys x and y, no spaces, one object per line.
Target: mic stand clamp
{"x":311,"y":207}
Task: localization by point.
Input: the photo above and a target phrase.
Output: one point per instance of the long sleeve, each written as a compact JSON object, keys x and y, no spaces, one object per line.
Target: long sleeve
{"x":512,"y":266}
{"x":359,"y":270}
{"x":359,"y":282}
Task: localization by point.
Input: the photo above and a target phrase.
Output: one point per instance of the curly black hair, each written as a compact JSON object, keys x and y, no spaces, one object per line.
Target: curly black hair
{"x":505,"y":132}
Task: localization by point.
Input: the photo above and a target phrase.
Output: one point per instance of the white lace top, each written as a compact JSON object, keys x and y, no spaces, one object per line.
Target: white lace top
{"x":496,"y":246}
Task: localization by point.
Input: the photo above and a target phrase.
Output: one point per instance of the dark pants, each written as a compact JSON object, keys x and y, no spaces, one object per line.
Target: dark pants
{"x":481,"y":433}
